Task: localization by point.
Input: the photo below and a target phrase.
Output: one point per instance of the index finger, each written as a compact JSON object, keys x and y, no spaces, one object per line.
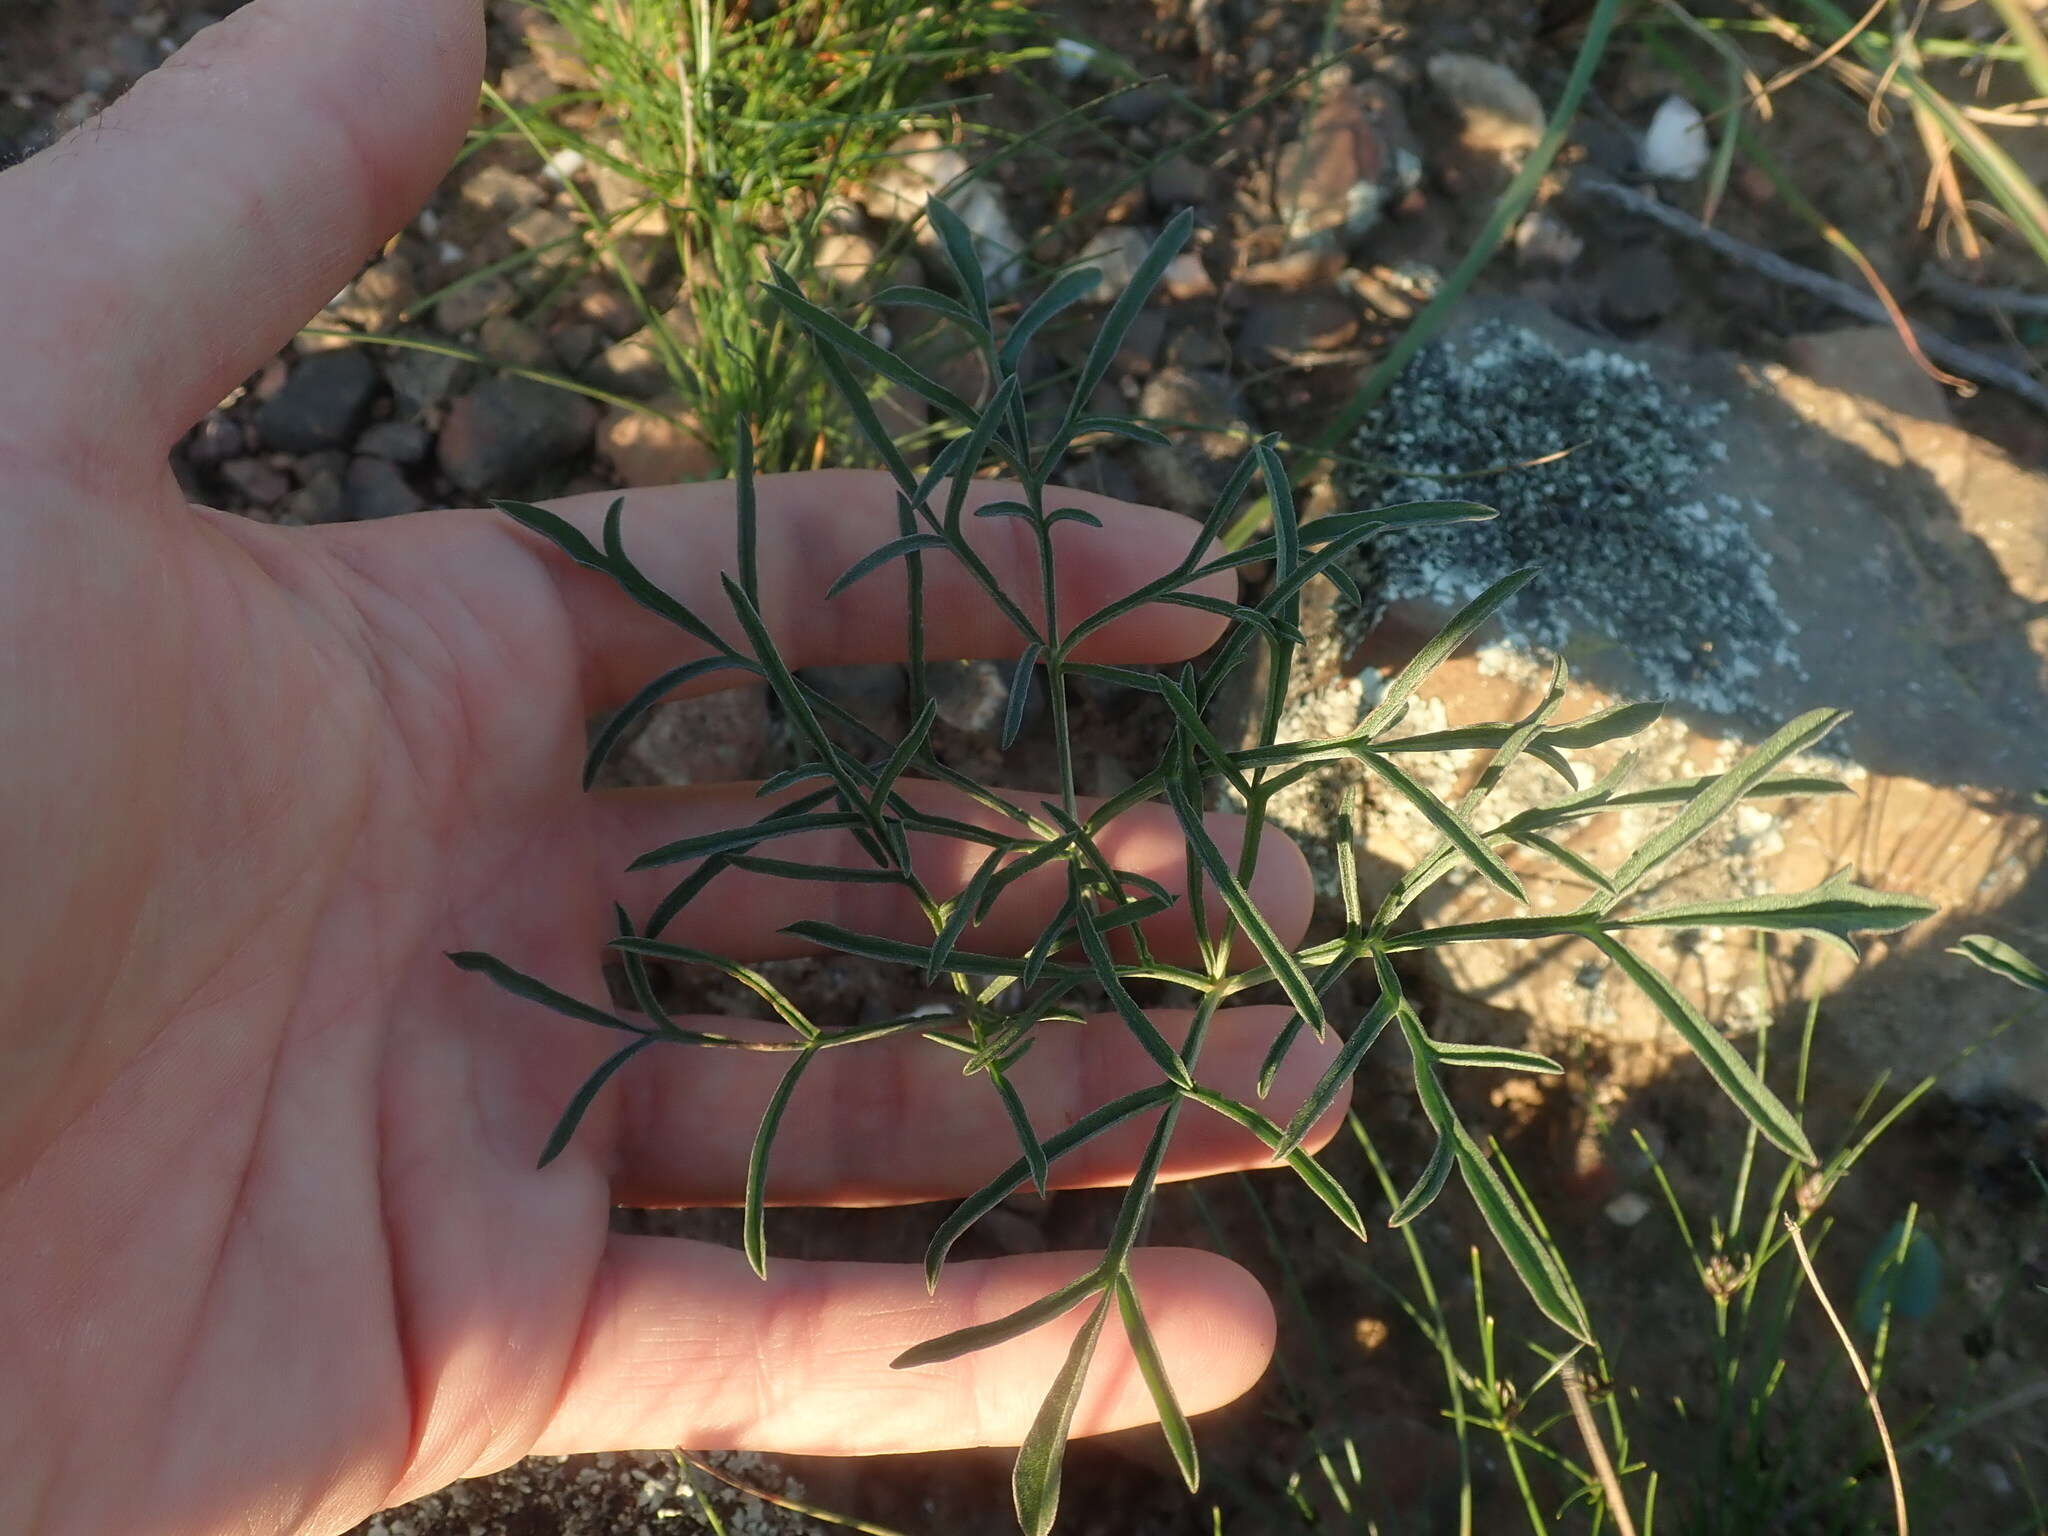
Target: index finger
{"x":813,"y":527}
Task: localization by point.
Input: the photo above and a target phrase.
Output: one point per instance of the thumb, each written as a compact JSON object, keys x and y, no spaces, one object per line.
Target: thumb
{"x":156,"y":256}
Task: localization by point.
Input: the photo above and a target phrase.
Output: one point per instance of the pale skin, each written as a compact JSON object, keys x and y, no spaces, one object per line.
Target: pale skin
{"x":276,"y":1251}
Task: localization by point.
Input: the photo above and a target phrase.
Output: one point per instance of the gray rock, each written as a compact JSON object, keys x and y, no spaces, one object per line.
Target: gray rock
{"x":1330,"y":181}
{"x":1282,"y":329}
{"x":873,"y":694}
{"x":1136,"y":107}
{"x":423,"y":381}
{"x":377,"y":488}
{"x":322,"y":499}
{"x":378,"y":299}
{"x":215,"y":440}
{"x":1639,"y":286}
{"x":1187,"y":473}
{"x":972,"y":696}
{"x":550,"y":235}
{"x":1139,"y":352}
{"x":716,"y":738}
{"x":1176,"y":182}
{"x":576,"y":344}
{"x":509,"y":433}
{"x":479,"y":299}
{"x":505,"y":340}
{"x":402,"y":442}
{"x":494,"y":189}
{"x":654,"y":450}
{"x":1116,"y":251}
{"x":322,"y":404}
{"x":255,"y":482}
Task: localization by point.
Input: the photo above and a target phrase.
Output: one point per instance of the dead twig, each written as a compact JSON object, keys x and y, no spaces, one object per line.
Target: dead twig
{"x":1596,"y":1446}
{"x":1884,"y":1434}
{"x":1950,"y":354}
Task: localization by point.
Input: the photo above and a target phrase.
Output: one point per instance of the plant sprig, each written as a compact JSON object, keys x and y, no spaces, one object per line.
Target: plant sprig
{"x":1001,"y":1001}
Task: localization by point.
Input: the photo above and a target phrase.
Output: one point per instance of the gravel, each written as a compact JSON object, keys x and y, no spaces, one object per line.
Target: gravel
{"x":1635,"y":545}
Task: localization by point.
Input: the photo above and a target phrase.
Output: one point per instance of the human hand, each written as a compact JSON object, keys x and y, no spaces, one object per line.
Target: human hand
{"x":268,"y":1211}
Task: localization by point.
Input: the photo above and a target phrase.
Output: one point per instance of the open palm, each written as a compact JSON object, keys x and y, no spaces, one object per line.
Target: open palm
{"x":269,"y":1215}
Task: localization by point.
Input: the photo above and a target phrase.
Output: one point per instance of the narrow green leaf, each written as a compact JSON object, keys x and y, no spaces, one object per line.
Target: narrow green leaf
{"x":1547,"y":925}
{"x":1456,"y":830}
{"x":1013,"y":1178}
{"x":607,"y":739}
{"x":1678,"y":791}
{"x":1110,"y":339}
{"x":1050,"y":941}
{"x":1723,"y":794}
{"x":2001,"y":959}
{"x":558,"y":531}
{"x":1616,"y":723}
{"x":1020,"y":694}
{"x":1337,"y":1077}
{"x":645,"y":592}
{"x":1072,"y":515}
{"x":901,"y":297}
{"x":572,"y":1117}
{"x":1443,"y":1119}
{"x":1065,"y":291}
{"x":1142,"y":1029}
{"x":731,"y":839}
{"x":1121,"y":426}
{"x":1534,"y":1259}
{"x":1570,"y":858}
{"x":828,"y":874}
{"x":1035,"y":1481}
{"x":1311,"y":1173}
{"x":745,"y":511}
{"x":519,"y":984}
{"x":1723,"y":1062}
{"x":875,"y":559}
{"x":1173,"y":1423}
{"x":1278,"y":956}
{"x":1501,"y":1057}
{"x":1286,"y":522}
{"x":872,"y":431}
{"x":896,"y":951}
{"x":975,"y":449}
{"x":1020,"y":1122}
{"x":980,"y":1336}
{"x":843,"y":339}
{"x":638,"y":982}
{"x":899,"y":760}
{"x":745,"y":975}
{"x":1833,"y":910}
{"x":1464,"y":624}
{"x":754,"y":1237}
{"x":796,"y":704}
{"x":958,"y":244}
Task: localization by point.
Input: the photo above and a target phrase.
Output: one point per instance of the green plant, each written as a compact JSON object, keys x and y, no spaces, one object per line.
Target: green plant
{"x":1001,"y":1002}
{"x":1727,"y":1409}
{"x":721,"y":137}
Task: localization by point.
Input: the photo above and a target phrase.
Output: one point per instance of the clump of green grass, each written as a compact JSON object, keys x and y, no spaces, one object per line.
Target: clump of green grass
{"x":1788,"y":1433}
{"x":1001,"y":1003}
{"x":742,"y":125}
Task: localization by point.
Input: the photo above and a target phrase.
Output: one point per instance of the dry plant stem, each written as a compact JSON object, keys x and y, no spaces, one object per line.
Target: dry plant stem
{"x":1596,"y":1445}
{"x":1884,"y":1434}
{"x":783,"y":1500}
{"x":1939,"y":348}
